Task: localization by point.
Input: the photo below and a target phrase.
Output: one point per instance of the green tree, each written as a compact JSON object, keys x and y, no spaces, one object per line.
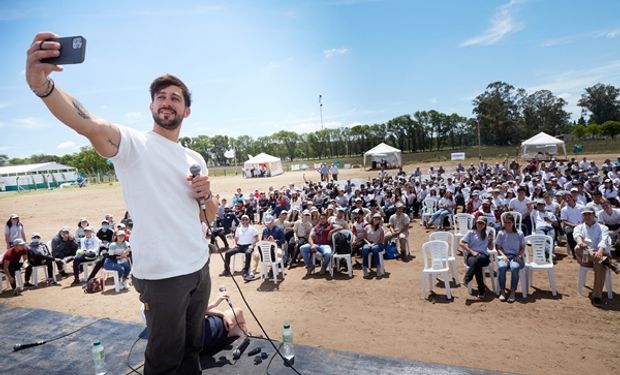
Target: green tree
{"x":543,"y":111}
{"x":90,"y":162}
{"x":498,"y":113}
{"x":602,"y":102}
{"x":4,"y":159}
{"x":611,"y":128}
{"x":289,"y":140}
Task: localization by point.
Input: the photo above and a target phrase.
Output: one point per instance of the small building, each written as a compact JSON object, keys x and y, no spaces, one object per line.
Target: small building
{"x":36,"y":176}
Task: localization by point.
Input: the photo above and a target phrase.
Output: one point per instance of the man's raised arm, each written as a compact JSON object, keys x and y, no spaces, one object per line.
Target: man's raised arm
{"x":104,"y":136}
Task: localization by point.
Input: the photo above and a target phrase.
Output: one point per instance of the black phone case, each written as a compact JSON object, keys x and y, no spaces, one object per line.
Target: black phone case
{"x":72,"y":51}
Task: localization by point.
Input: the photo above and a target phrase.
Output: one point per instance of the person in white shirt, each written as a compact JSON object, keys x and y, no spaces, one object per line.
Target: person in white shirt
{"x":610,"y":217}
{"x":141,"y":161}
{"x":570,"y":216}
{"x":592,"y":249}
{"x":445,"y":207}
{"x":542,"y":222}
{"x":246,"y":236}
{"x":521,"y":205}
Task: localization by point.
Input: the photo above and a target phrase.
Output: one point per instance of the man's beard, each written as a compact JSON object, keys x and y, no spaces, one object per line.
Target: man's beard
{"x":170,"y":124}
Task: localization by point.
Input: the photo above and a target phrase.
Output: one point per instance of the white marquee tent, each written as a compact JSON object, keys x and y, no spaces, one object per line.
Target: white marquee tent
{"x":384,"y":152}
{"x":542,"y":143}
{"x":35,"y":176}
{"x":262,"y":165}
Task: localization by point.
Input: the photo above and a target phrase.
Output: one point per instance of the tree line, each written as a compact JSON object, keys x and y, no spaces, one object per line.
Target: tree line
{"x":502,"y":115}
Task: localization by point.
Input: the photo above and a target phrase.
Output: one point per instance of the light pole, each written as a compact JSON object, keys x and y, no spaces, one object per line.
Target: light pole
{"x":479,"y":144}
{"x":321,"y":110}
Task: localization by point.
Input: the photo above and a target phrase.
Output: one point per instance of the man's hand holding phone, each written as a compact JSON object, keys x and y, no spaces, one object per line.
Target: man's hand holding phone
{"x":37,"y":71}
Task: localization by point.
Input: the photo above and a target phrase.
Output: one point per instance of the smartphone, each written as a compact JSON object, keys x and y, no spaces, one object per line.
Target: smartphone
{"x":72,"y":50}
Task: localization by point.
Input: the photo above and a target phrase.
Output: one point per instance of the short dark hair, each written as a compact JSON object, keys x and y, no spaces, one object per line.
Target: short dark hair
{"x":166,"y":80}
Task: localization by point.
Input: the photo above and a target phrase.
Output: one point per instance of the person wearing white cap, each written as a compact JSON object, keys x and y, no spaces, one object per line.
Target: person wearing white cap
{"x":12,"y":261}
{"x":570,"y":216}
{"x":38,"y":255}
{"x":13,"y":229}
{"x":593,"y":246}
{"x":246,"y":237}
{"x":90,"y":246}
{"x":117,"y":259}
{"x":399,"y":228}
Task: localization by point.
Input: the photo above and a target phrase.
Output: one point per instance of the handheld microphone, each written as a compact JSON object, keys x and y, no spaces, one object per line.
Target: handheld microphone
{"x":18,"y":347}
{"x":239,"y":350}
{"x":195,"y":171}
{"x":222,"y":292}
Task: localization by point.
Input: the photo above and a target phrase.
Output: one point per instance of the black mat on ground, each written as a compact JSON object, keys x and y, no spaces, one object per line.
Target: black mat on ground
{"x":72,"y":355}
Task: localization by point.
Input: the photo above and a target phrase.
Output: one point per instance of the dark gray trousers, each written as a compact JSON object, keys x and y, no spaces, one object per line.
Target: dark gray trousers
{"x":174,"y":310}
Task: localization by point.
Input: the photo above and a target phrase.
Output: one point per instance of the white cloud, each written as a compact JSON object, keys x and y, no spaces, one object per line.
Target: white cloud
{"x":329,"y":53}
{"x":502,"y":24}
{"x":572,"y":80}
{"x":433,"y":100}
{"x":4,"y":148}
{"x":569,"y":39}
{"x":273,"y":65}
{"x":29,"y":123}
{"x":66,"y":144}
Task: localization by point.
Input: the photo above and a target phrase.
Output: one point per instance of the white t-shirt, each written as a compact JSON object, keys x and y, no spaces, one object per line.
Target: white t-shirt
{"x":167,"y":238}
{"x":519,"y":206}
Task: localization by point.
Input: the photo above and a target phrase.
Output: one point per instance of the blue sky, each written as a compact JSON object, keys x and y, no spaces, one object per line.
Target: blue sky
{"x":257,"y":67}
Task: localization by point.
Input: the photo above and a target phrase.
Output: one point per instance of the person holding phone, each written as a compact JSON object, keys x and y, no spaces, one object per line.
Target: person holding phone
{"x":175,"y":290}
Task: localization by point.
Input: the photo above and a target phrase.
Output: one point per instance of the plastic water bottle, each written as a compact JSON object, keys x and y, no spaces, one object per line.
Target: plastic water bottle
{"x":585,"y":257}
{"x":288,"y":351}
{"x":99,"y":358}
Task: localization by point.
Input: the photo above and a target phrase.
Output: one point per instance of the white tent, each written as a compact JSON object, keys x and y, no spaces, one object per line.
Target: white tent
{"x":262,"y":165}
{"x":36,"y":176}
{"x":542,"y":146}
{"x":384,"y":152}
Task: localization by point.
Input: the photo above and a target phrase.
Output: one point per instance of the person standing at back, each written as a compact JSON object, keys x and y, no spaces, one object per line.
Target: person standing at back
{"x":171,"y":268}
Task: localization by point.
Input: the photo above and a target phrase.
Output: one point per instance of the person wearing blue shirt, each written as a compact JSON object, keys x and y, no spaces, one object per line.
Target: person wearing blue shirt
{"x":475,"y":246}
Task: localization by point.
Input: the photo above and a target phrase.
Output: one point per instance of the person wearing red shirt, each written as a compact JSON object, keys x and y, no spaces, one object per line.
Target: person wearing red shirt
{"x":12,"y":261}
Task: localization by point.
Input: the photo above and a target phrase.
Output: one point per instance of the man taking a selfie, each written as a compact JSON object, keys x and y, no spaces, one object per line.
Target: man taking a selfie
{"x":174,"y":289}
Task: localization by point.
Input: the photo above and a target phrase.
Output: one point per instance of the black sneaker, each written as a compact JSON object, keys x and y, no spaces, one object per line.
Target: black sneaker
{"x":28,"y":285}
{"x":75,"y":282}
{"x":63,"y":274}
{"x":597,"y":301}
{"x":225,"y":274}
{"x":481,"y":295}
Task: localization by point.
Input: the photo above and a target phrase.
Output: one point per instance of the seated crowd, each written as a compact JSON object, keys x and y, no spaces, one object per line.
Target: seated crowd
{"x":108,"y":248}
{"x":550,"y":198}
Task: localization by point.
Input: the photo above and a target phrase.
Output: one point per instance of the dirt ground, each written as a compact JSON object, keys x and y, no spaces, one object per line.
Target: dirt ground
{"x":541,"y":334}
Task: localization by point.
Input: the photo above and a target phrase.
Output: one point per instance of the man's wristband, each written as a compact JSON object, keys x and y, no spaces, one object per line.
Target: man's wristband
{"x":209,"y":196}
{"x":48,"y":90}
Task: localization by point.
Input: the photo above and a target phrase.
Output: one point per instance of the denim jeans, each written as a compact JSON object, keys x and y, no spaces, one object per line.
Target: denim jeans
{"x":376,"y":249}
{"x":441,"y":215}
{"x":123,"y":268}
{"x":515,"y":266}
{"x":325,"y":250}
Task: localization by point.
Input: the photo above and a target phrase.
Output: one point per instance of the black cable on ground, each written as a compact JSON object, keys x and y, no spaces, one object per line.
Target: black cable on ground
{"x":18,"y":347}
{"x":133,"y":370}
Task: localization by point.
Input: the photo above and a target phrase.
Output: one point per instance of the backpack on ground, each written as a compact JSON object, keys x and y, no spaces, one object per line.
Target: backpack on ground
{"x":94,"y":285}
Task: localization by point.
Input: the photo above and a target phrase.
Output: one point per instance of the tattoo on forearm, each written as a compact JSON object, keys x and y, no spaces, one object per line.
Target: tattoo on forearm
{"x":113,"y":144}
{"x":81,"y":110}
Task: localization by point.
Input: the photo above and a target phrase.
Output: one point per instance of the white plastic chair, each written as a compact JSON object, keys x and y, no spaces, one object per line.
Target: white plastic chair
{"x":234,"y":261}
{"x":43,"y":268}
{"x":582,"y":280}
{"x":18,"y":280}
{"x":85,"y":268}
{"x":518,"y":218}
{"x":435,"y":256}
{"x":461,"y":223}
{"x":114,"y":274}
{"x":449,"y":238}
{"x":268,"y":261}
{"x":336,"y":258}
{"x":539,"y":262}
{"x":429,"y":206}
